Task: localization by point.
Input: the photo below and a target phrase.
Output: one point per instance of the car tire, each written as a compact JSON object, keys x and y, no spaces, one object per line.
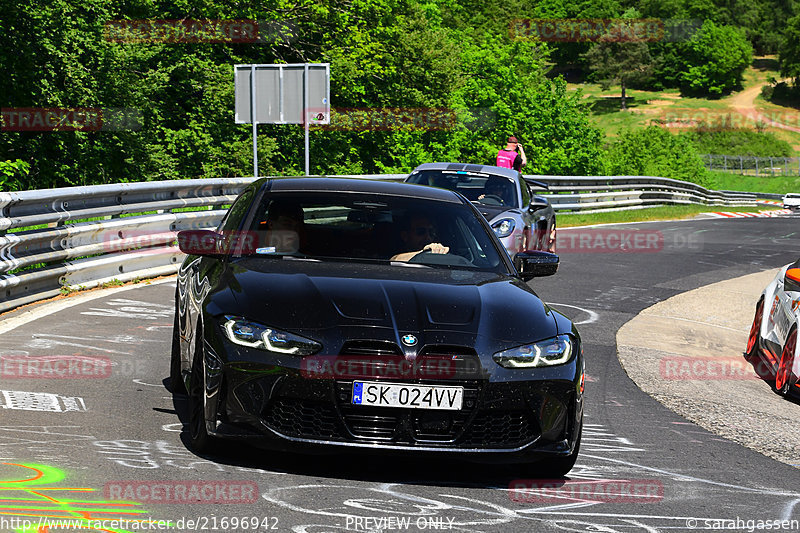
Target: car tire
{"x":558,"y":467}
{"x":176,"y":383}
{"x":752,"y":340}
{"x":783,"y":377}
{"x":200,"y":440}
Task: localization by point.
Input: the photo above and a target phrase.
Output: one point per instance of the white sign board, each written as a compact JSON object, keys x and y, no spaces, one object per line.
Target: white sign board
{"x":284,"y":94}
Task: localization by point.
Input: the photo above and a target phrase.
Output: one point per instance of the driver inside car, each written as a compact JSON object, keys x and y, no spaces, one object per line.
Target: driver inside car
{"x":418,"y":235}
{"x":498,"y":188}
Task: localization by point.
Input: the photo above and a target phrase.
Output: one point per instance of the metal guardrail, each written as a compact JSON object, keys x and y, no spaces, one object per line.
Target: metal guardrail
{"x":595,"y":194}
{"x":83,"y":237}
{"x":761,"y":195}
{"x":133,"y":238}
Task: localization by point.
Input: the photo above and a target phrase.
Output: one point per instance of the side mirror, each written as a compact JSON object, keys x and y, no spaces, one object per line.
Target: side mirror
{"x":537,"y":202}
{"x":535,"y":264}
{"x":791,"y":281}
{"x":199,"y":242}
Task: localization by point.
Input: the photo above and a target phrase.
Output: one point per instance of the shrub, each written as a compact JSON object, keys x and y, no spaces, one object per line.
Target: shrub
{"x":654,"y":151}
{"x":738,"y":141}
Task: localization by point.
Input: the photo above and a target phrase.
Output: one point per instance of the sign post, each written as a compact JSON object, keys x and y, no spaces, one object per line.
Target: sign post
{"x":297,"y":93}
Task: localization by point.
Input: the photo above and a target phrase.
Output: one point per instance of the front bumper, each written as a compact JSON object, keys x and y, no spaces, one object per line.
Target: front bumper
{"x":506,"y":416}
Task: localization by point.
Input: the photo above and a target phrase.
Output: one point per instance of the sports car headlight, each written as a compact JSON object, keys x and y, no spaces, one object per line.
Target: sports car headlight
{"x":550,"y":352}
{"x":503,"y":227}
{"x":253,"y":335}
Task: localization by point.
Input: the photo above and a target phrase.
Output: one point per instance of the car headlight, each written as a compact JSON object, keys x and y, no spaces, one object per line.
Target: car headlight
{"x":550,"y":352}
{"x":253,"y":335}
{"x":503,"y":227}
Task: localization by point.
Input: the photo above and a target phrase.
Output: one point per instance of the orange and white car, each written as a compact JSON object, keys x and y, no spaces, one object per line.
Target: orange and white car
{"x":773,"y":335}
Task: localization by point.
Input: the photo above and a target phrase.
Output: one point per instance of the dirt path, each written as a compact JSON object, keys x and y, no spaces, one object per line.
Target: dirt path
{"x":744,"y":103}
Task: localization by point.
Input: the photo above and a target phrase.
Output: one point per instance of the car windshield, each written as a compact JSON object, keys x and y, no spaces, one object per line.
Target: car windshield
{"x":357,"y":227}
{"x":478,"y":187}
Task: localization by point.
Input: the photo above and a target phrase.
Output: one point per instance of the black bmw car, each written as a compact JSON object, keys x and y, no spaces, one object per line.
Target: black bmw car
{"x":348,"y":313}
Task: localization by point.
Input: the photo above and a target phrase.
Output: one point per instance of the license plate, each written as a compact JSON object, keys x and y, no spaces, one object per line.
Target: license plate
{"x":407,"y":395}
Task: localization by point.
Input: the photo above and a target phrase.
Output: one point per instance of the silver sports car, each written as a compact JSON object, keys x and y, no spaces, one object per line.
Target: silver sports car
{"x":522,"y":221}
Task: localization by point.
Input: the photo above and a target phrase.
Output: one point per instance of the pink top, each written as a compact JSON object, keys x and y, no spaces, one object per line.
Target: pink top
{"x":505,"y":158}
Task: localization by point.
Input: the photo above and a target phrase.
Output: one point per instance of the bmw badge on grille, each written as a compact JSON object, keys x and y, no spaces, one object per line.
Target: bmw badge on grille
{"x":409,"y":340}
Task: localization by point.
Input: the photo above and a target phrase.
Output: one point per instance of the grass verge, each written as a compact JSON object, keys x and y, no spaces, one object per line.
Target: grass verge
{"x":672,"y":212}
{"x":725,"y":181}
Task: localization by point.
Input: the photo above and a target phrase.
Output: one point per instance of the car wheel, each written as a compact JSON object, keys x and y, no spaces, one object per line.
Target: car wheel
{"x":176,"y":384}
{"x":783,"y":378}
{"x":755,"y":329}
{"x":558,"y":467}
{"x":199,"y":438}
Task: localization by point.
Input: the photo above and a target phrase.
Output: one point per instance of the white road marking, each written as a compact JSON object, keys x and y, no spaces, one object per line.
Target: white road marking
{"x":140,"y":382}
{"x":40,"y":401}
{"x":592,"y":315}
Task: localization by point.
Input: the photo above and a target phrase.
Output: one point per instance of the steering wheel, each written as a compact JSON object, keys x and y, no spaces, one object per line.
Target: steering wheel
{"x":496,"y":199}
{"x":447,"y":259}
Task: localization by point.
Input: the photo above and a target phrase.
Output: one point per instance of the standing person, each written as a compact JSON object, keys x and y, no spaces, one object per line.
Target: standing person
{"x":512,"y":156}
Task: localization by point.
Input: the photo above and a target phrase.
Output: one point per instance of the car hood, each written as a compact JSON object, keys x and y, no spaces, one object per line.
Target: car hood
{"x":384,"y":302}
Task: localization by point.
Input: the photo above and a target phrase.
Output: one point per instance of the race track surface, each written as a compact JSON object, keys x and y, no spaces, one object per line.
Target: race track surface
{"x":71,"y":448}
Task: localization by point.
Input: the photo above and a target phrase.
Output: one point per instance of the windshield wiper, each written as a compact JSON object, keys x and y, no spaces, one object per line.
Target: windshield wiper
{"x":407,"y":264}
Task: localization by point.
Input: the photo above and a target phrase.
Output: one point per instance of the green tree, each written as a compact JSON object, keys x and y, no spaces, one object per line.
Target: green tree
{"x":11,"y":173}
{"x":619,"y":62}
{"x":715,"y":59}
{"x":789,"y":55}
{"x":385,"y":54}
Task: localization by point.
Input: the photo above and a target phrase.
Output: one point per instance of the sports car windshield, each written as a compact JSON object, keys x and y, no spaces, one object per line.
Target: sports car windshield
{"x":357,"y":227}
{"x":478,"y":187}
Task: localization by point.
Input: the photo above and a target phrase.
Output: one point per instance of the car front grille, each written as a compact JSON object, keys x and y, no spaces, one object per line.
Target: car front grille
{"x":338,"y":420}
{"x":500,"y":430}
{"x":303,"y":418}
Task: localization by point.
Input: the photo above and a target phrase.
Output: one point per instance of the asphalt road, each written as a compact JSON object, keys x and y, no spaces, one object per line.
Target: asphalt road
{"x":82,"y":448}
